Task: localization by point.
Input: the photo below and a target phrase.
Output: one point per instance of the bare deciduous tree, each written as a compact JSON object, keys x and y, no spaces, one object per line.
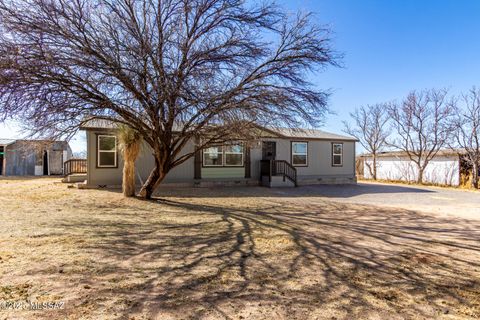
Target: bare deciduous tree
{"x":173,"y":70}
{"x":467,"y":131}
{"x":371,"y":129}
{"x":422,"y":123}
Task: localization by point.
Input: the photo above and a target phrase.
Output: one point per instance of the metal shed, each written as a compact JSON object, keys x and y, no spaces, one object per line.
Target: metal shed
{"x":33,"y":157}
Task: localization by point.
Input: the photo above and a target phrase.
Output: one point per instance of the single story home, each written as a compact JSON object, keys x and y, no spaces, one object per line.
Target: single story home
{"x":33,"y":157}
{"x":282,"y":157}
{"x":446,"y":168}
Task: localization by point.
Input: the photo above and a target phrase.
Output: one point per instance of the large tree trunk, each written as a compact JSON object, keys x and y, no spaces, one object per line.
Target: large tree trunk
{"x":375,"y":167}
{"x":475,"y":176}
{"x":154,"y":179}
{"x":420,"y":175}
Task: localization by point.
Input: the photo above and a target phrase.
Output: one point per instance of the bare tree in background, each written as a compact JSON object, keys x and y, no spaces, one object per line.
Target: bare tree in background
{"x":79,"y":154}
{"x":467,"y":131}
{"x":423,"y":125}
{"x":371,"y":129}
{"x":173,"y":70}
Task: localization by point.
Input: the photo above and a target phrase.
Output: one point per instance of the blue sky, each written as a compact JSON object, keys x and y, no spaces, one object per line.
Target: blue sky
{"x":393,"y":46}
{"x":390,"y":47}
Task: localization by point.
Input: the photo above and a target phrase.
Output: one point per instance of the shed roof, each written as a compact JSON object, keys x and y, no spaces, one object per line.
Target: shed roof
{"x":6,"y":142}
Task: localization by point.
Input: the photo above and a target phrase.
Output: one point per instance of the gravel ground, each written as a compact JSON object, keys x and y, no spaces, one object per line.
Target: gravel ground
{"x":445,"y":202}
{"x":231,"y":253}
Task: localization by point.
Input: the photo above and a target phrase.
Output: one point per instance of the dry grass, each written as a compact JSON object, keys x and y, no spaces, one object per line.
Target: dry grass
{"x":465,"y":183}
{"x":230,"y":254}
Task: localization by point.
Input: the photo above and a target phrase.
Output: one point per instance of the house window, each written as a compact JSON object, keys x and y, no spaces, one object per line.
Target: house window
{"x":107,"y":151}
{"x":234,"y":155}
{"x":220,"y":156}
{"x":213,"y":157}
{"x":337,"y":154}
{"x":299,"y":153}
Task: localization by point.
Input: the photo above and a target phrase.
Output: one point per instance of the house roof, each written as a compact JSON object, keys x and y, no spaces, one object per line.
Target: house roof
{"x":6,"y":142}
{"x":95,"y":123}
{"x":282,"y":132}
{"x":310,"y":134}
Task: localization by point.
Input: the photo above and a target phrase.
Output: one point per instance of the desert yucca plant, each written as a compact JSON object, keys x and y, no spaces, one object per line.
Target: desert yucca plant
{"x":130,"y":142}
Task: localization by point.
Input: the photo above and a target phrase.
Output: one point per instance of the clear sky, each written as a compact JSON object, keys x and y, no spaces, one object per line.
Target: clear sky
{"x":390,"y":48}
{"x":394,"y":46}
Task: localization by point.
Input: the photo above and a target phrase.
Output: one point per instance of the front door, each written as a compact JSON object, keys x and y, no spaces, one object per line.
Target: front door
{"x":269,"y":150}
{"x":45,"y":163}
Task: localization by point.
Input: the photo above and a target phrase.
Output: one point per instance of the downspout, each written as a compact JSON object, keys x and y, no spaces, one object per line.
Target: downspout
{"x":354,"y":161}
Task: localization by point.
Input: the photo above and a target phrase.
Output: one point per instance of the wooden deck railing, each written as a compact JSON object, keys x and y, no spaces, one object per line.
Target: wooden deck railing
{"x":272,"y":168}
{"x":74,"y":166}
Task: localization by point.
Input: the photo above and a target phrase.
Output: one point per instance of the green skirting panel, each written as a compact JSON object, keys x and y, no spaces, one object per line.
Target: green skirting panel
{"x":223,"y":172}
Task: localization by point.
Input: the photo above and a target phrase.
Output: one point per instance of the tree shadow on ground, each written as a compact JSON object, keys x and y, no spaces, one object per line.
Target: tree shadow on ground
{"x":257,"y":258}
{"x":329,"y":191}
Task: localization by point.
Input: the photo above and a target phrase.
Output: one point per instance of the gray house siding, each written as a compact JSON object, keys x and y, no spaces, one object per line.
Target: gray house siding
{"x":319,"y":169}
{"x":144,"y":164}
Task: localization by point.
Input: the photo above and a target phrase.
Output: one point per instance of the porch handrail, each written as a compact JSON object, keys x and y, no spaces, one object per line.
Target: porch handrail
{"x":74,"y":166}
{"x":278,"y":168}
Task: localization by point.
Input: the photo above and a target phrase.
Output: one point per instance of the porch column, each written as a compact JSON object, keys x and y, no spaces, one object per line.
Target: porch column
{"x":248,"y":173}
{"x":197,"y":159}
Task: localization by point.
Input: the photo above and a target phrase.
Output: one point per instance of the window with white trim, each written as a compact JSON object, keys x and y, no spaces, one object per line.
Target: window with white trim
{"x":234,"y":155}
{"x":106,"y":151}
{"x":337,"y":154}
{"x":299,"y":153}
{"x":223,"y":156}
{"x":213,"y":157}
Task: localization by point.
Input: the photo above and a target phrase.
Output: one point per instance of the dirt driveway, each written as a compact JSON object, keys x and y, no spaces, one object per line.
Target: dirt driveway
{"x":231,"y":253}
{"x":446,"y":202}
